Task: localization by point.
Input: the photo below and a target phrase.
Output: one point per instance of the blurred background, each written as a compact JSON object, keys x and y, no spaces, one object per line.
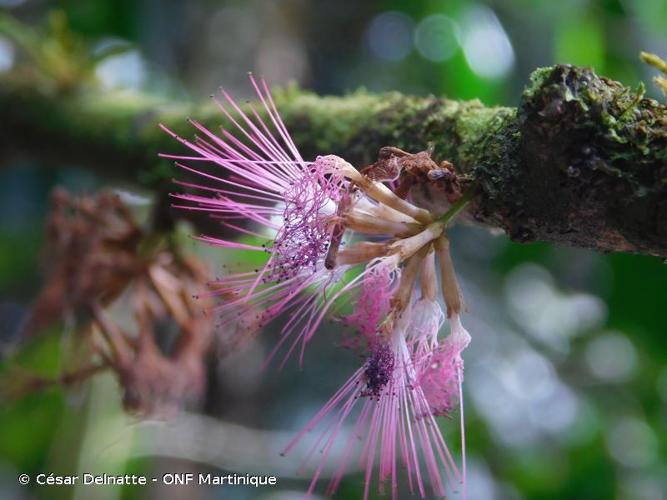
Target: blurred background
{"x":566,"y":378}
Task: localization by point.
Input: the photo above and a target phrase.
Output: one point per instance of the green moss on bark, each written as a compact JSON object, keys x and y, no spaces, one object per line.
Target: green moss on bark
{"x":590,"y":168}
{"x":582,"y":161}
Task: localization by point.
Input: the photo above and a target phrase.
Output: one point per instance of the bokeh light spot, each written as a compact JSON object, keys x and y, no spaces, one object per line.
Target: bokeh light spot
{"x":486,"y":45}
{"x":126,"y":70}
{"x":390,"y":36}
{"x":6,"y":55}
{"x":436,"y":38}
{"x":611,"y":357}
{"x":632,"y":442}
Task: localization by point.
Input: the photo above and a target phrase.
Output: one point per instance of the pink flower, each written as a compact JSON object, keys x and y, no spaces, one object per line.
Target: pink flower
{"x":298,"y":213}
{"x":393,"y":424}
{"x":441,"y":371}
{"x":427,"y":319}
{"x":266,"y":182}
{"x":372,"y":304}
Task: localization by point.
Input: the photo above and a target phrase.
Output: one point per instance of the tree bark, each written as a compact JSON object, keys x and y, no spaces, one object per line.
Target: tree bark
{"x":582,"y":161}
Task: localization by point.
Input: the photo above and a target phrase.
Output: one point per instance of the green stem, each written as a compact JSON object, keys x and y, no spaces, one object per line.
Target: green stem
{"x":456,"y":208}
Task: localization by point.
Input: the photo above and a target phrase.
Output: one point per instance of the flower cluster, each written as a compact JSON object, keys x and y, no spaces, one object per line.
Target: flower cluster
{"x":350,"y":244}
{"x":101,"y":260}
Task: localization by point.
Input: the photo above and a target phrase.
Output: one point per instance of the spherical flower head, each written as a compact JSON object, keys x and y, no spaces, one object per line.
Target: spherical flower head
{"x":441,"y":372}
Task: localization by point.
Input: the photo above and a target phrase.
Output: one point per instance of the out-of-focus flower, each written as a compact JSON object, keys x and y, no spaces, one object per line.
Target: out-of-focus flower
{"x":157,"y":377}
{"x":99,"y":256}
{"x":92,"y":245}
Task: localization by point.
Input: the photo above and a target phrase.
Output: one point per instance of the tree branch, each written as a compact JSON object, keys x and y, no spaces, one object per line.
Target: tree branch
{"x":582,"y":161}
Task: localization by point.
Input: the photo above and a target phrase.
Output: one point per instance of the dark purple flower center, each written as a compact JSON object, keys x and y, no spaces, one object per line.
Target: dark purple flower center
{"x":379,"y":369}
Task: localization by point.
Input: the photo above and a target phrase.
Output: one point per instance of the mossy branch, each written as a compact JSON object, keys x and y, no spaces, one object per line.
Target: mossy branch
{"x":582,"y":161}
